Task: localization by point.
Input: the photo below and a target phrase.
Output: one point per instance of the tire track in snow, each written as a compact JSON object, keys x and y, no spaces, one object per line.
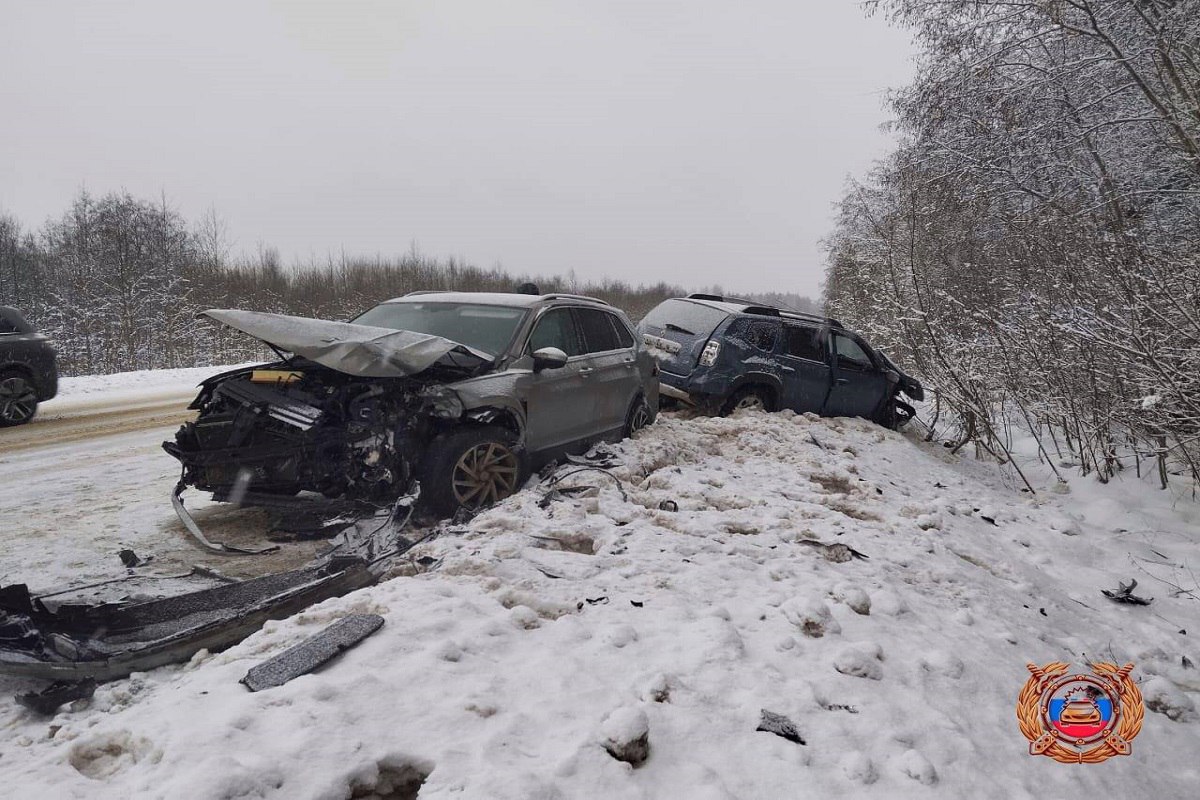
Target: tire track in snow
{"x":94,"y":421}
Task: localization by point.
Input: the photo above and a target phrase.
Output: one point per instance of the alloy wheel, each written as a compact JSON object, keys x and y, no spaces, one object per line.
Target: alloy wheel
{"x":640,"y":418}
{"x":485,"y":474}
{"x":18,"y":401}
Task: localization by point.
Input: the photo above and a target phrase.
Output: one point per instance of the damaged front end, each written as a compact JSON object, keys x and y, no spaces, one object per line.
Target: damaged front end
{"x":348,"y":415}
{"x":286,"y":428}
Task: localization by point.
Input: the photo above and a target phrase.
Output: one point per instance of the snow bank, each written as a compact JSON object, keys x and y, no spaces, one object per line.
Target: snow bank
{"x":542,"y":634}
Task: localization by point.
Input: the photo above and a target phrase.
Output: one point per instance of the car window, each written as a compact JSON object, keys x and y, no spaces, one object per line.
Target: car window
{"x":556,"y":328}
{"x":804,"y":343}
{"x":686,"y":317}
{"x":599,"y":336}
{"x":624,"y":337}
{"x":849,"y":350}
{"x":6,"y":326}
{"x":760,"y":334}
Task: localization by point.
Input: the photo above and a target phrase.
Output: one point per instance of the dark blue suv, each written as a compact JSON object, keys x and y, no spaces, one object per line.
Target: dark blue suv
{"x":721,"y":354}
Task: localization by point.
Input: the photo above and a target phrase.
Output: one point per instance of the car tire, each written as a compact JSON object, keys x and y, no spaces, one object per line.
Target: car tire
{"x":471,"y":468}
{"x":748,"y":398}
{"x":639,"y":417}
{"x":18,"y":398}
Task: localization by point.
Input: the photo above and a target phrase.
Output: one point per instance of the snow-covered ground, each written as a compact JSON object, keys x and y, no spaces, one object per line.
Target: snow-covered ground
{"x":540,"y":632}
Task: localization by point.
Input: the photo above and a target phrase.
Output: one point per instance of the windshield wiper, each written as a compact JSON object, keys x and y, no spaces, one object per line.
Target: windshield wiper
{"x":671,"y":326}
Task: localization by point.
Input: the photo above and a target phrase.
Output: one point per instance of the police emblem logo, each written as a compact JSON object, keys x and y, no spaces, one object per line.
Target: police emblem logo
{"x":1078,"y":718}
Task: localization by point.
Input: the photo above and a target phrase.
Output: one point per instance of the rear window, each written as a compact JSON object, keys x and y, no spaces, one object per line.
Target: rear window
{"x":685,"y":317}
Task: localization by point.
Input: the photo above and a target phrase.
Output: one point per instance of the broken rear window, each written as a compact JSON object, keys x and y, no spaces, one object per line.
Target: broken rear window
{"x":489,"y":329}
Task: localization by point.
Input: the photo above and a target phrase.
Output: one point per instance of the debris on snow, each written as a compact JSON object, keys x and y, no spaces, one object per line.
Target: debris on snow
{"x":313,"y":652}
{"x":780,"y":725}
{"x":836,"y":552}
{"x":1124,"y":594}
{"x":130,"y":559}
{"x":626,"y":734}
{"x":50,"y":699}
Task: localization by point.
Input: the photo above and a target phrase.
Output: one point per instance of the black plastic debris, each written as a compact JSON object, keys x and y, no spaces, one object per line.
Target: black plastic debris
{"x":780,"y":725}
{"x":668,"y":505}
{"x":48,"y":700}
{"x":637,"y":603}
{"x":131,"y":559}
{"x":312,"y":652}
{"x":1124,"y":594}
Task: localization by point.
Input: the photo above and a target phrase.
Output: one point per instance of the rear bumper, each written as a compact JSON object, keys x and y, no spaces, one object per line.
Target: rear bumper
{"x":667,"y":390}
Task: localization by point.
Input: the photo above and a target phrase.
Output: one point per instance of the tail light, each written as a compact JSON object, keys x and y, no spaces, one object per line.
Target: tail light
{"x":709,"y":356}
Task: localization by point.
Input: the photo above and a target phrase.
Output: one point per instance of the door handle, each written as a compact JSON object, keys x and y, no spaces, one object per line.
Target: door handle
{"x":585,"y":370}
{"x":842,"y":381}
{"x":788,"y":369}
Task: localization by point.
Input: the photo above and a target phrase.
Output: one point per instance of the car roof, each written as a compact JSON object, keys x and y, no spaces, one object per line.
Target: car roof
{"x":510,"y":299}
{"x":732,"y":305}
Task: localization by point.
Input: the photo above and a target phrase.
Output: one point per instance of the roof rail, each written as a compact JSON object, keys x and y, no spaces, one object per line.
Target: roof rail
{"x":427,"y":291}
{"x":565,"y":296}
{"x":766,"y":309}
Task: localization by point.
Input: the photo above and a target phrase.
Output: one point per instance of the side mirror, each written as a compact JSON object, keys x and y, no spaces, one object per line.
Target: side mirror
{"x":548,"y":358}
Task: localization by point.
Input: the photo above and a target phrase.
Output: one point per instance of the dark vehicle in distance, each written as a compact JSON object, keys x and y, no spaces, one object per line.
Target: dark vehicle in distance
{"x":722,"y":354}
{"x":463,"y":392}
{"x":28,"y":369}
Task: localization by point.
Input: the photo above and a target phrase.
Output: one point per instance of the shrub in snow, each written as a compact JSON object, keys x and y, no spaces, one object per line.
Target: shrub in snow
{"x":860,"y":660}
{"x":626,"y":733}
{"x":811,"y":616}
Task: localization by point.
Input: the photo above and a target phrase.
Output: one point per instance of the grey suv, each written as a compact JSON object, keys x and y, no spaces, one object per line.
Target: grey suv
{"x":464,"y":392}
{"x":28,"y":369}
{"x":721,"y":354}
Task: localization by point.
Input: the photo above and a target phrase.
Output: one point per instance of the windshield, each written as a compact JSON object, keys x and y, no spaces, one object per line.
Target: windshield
{"x":488,"y":329}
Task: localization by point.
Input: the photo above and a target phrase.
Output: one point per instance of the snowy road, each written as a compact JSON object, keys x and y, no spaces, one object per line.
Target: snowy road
{"x":67,"y":422}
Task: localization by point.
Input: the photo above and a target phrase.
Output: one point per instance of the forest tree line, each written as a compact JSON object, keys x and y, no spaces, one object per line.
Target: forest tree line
{"x":1032,"y":245}
{"x":117,"y":281}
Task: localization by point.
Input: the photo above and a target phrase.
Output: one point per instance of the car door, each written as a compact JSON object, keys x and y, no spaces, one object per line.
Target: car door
{"x":859,"y":385}
{"x":560,"y":404}
{"x":612,"y":367}
{"x":804,"y":368}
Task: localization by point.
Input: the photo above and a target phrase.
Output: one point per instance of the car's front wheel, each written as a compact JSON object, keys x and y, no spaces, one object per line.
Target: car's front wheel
{"x":471,"y":468}
{"x":18,"y":399}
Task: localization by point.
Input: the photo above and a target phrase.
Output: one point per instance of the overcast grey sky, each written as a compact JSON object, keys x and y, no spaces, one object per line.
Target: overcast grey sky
{"x":682,"y":140}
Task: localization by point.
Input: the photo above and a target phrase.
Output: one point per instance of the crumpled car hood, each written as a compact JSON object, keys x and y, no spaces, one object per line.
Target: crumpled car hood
{"x":362,"y":350}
